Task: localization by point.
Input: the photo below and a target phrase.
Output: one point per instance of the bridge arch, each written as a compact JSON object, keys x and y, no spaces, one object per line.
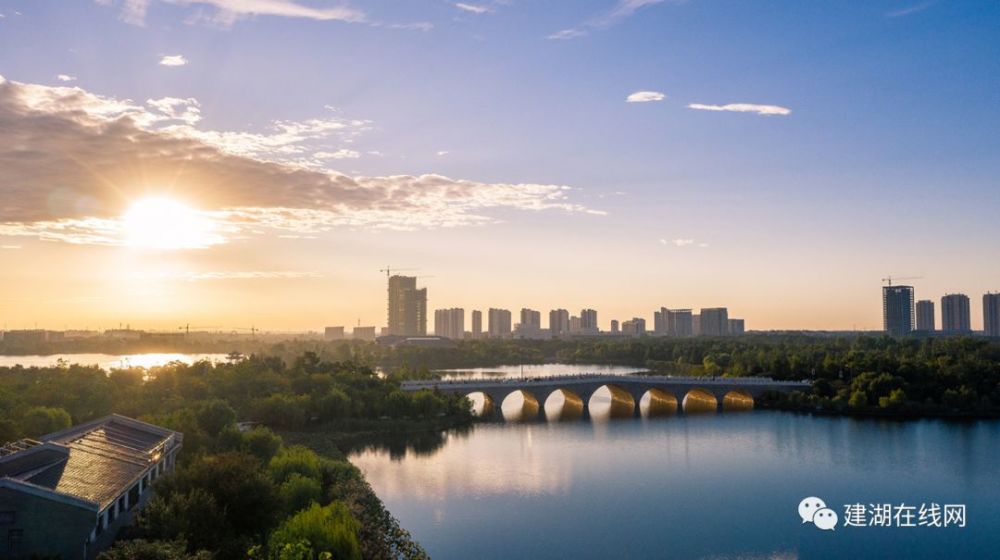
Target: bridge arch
{"x":611,"y":401}
{"x":483,"y":404}
{"x":520,"y":406}
{"x":657,"y":402}
{"x":737,"y":401}
{"x":700,"y":400}
{"x":563,"y":404}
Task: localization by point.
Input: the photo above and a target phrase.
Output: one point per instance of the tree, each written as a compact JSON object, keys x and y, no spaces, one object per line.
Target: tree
{"x":262,"y":443}
{"x":294,"y":460}
{"x":299,"y":492}
{"x":152,"y":550}
{"x":216,"y":415}
{"x":326,"y":529}
{"x":42,"y":420}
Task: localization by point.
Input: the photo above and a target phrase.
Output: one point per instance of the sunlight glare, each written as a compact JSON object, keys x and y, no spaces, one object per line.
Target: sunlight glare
{"x":164,"y":224}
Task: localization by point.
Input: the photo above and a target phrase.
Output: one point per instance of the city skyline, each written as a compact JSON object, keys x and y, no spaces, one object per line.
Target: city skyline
{"x":258,"y":164}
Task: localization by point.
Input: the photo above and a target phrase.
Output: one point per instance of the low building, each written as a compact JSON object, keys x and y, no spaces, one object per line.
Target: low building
{"x":67,"y":494}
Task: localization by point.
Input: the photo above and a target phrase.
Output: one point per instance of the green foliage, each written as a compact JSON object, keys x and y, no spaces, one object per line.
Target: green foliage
{"x":294,"y":460}
{"x":299,"y":492}
{"x":215,"y":415}
{"x":152,"y":550}
{"x":41,"y":420}
{"x":324,"y":529}
{"x":262,"y":443}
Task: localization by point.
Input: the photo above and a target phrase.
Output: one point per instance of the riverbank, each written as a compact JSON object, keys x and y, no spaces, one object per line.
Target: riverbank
{"x":880,"y":413}
{"x":339,"y":438}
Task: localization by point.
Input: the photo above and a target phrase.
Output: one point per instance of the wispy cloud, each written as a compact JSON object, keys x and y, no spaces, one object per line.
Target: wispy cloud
{"x":441,"y":153}
{"x":10,"y":247}
{"x":645,"y":97}
{"x":473,"y":8}
{"x":910,"y":9}
{"x":65,"y":78}
{"x":229,"y":11}
{"x":767,"y":110}
{"x":339,"y":154}
{"x":683,"y":242}
{"x":622,"y":10}
{"x":173,"y":60}
{"x":74,"y":161}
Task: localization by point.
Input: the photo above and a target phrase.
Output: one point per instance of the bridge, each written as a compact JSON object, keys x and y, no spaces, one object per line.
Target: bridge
{"x":664,"y":395}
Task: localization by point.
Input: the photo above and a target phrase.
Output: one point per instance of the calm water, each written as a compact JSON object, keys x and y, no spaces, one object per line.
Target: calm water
{"x":543,"y":370}
{"x":108,"y":361}
{"x":718,"y":486}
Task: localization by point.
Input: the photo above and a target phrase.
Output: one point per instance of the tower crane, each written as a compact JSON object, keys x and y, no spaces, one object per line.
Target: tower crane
{"x":888,"y":281}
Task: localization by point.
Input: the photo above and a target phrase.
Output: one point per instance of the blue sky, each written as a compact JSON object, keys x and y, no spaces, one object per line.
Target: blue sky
{"x":885,"y":163}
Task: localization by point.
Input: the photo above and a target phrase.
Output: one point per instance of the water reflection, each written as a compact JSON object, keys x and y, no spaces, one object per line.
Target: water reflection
{"x":713,"y":485}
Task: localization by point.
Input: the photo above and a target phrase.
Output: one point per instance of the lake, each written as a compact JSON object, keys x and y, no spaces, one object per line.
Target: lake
{"x":109,"y":361}
{"x":711,"y":486}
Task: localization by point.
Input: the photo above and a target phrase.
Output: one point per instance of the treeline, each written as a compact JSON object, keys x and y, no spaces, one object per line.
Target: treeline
{"x":237,"y":494}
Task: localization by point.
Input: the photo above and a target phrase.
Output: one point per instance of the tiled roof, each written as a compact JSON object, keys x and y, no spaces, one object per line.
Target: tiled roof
{"x":96,"y":462}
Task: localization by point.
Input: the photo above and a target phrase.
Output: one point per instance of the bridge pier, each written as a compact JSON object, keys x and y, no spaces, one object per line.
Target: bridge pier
{"x":586,"y":410}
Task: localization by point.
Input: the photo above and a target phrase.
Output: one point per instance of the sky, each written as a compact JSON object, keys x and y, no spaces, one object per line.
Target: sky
{"x":237,"y":163}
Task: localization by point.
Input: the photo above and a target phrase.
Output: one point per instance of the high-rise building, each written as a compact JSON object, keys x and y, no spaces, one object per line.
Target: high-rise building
{"x":897,"y":310}
{"x":531,"y":320}
{"x":634,"y":327}
{"x":477,"y":323}
{"x":991,"y":314}
{"x":660,"y":321}
{"x":363,"y":333}
{"x":499,"y":323}
{"x":736,"y":327}
{"x":450,"y":323}
{"x":678,"y":322}
{"x":696,"y":324}
{"x":614,"y":327}
{"x":407,"y":307}
{"x":588,"y":322}
{"x":955,"y":314}
{"x":558,"y":322}
{"x":715,"y":321}
{"x":333,"y":333}
{"x":925,"y":316}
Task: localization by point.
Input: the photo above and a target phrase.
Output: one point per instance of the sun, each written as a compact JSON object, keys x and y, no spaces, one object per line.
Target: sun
{"x":165,"y":224}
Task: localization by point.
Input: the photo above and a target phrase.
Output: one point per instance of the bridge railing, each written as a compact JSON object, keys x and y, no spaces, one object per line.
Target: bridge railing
{"x":429,"y":384}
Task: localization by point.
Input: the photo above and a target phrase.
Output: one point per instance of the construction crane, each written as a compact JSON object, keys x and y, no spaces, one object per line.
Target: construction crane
{"x":389,"y":270}
{"x":888,"y":281}
{"x":187,"y":328}
{"x":253,"y":330}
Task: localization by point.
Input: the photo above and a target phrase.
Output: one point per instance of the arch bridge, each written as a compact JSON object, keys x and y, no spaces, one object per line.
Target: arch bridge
{"x":664,"y":395}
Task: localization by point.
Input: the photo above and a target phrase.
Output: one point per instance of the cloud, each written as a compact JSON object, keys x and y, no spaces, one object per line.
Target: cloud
{"x":173,"y":60}
{"x":566,"y":34}
{"x":339,"y":154}
{"x":74,"y":161}
{"x":442,"y":153}
{"x":415,"y":26}
{"x":473,"y":8}
{"x":682,"y":242}
{"x":65,"y":78}
{"x":910,"y":9}
{"x":744,"y":108}
{"x":622,"y":10}
{"x":229,"y":11}
{"x":645,"y":97}
{"x":10,"y":247}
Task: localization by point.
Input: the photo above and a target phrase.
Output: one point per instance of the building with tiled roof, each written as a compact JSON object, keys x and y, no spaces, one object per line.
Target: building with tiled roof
{"x":67,"y":493}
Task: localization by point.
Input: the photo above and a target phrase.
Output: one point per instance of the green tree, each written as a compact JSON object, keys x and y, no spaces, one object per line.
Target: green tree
{"x":262,"y":443}
{"x":294,"y":460}
{"x":152,"y":550}
{"x":326,"y":529}
{"x":299,"y":492}
{"x":41,"y":420}
{"x":216,"y":415}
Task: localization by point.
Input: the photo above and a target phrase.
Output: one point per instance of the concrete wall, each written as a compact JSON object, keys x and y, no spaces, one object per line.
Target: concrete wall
{"x":50,"y":528}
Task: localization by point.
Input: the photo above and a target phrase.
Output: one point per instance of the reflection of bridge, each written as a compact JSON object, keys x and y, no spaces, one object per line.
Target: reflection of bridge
{"x":665,"y":395}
